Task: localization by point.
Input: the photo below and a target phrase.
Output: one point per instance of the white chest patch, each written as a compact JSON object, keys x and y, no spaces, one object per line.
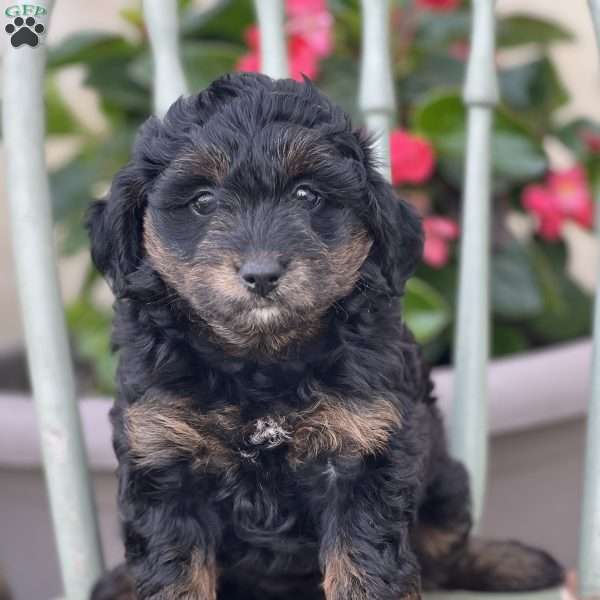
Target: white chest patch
{"x":269,"y":432}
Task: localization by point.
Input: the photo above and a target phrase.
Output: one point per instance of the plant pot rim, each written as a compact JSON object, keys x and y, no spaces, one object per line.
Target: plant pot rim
{"x":525,"y":391}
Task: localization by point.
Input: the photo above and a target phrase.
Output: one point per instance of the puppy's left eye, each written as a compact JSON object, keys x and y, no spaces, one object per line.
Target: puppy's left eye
{"x":204,"y":203}
{"x":308,"y":197}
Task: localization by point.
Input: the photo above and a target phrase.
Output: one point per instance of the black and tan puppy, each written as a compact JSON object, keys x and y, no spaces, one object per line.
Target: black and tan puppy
{"x":274,"y":424}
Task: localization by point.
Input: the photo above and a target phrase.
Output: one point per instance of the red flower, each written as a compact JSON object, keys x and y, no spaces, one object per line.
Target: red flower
{"x":412,"y":158}
{"x":310,"y":39}
{"x":439,"y":232}
{"x":592,"y":140}
{"x":565,"y":196}
{"x":303,"y":58}
{"x":438,"y":5}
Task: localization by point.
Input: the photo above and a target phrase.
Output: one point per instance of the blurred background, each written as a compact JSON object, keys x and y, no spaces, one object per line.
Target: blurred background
{"x":546,"y":165}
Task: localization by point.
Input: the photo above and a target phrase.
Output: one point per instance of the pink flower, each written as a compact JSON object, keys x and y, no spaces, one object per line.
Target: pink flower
{"x":310,"y":20}
{"x":439,"y":232}
{"x":412,"y":158}
{"x":538,"y":200}
{"x":303,"y":59}
{"x":573,"y":195}
{"x":249,"y":62}
{"x":310,"y":39}
{"x":304,"y":7}
{"x":438,"y":5}
{"x":565,"y":196}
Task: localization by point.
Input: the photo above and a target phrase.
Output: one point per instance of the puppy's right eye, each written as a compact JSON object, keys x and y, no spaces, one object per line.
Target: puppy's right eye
{"x":308,"y":197}
{"x":204,"y":203}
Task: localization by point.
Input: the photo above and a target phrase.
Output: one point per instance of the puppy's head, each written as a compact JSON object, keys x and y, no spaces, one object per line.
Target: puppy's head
{"x":257,"y":203}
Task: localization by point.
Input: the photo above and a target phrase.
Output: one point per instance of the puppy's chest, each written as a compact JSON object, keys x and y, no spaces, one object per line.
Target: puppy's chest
{"x":162,"y":430}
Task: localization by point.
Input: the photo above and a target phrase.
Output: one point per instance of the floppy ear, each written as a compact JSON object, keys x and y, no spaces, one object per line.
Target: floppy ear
{"x":398,"y":243}
{"x":115,"y":229}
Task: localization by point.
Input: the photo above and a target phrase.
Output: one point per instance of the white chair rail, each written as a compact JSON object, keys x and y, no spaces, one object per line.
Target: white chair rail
{"x":469,"y":426}
{"x":64,"y":456}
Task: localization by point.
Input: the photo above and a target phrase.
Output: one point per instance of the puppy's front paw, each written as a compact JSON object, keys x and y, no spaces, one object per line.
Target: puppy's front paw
{"x":344,"y":580}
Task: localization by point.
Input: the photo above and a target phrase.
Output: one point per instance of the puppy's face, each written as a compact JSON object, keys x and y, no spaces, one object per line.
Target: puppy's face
{"x":261,"y":236}
{"x":257,"y":203}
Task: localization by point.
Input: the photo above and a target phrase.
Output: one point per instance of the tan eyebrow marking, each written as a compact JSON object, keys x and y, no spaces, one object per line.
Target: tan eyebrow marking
{"x":206,"y":161}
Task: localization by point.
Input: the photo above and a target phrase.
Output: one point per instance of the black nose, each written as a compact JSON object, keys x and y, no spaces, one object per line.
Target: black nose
{"x":261,"y":275}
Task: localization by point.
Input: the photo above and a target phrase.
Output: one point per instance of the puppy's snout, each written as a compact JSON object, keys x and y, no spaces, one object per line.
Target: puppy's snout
{"x":261,"y":275}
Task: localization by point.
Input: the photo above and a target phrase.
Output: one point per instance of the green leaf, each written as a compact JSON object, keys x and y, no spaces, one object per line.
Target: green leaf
{"x":338,"y":79}
{"x":59,"y":118}
{"x":534,"y":91}
{"x":443,"y":280}
{"x":119,"y":93}
{"x":90,"y":46}
{"x":572,"y":135}
{"x":203,"y":62}
{"x":425,"y":310}
{"x":183,"y":5}
{"x":518,"y":30}
{"x":133,"y":15}
{"x":347,"y":27}
{"x":73,"y":238}
{"x":75,"y":183}
{"x":71,"y":186}
{"x":226,"y":21}
{"x":514,"y":288}
{"x":516,"y":155}
{"x":508,"y":340}
{"x":429,"y":71}
{"x":106,"y":58}
{"x":90,"y":328}
{"x":567,"y":309}
{"x":436,"y":32}
{"x":440,"y":114}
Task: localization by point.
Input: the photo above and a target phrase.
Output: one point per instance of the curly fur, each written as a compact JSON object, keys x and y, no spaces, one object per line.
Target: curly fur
{"x":281,"y":448}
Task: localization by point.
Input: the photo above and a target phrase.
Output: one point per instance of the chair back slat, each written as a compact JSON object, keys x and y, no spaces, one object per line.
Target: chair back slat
{"x":469,"y":422}
{"x":273,"y":45}
{"x":589,"y":553}
{"x":50,"y":365}
{"x":169,"y":84}
{"x":376,"y":94}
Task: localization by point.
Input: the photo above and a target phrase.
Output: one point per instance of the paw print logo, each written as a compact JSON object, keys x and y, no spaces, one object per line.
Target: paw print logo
{"x":24,"y":31}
